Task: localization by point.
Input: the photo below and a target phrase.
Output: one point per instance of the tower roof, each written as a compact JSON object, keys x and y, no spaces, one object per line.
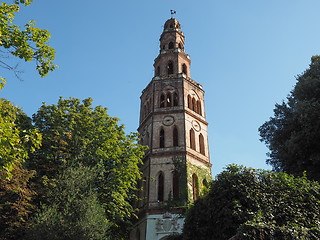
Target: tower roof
{"x":171,"y":24}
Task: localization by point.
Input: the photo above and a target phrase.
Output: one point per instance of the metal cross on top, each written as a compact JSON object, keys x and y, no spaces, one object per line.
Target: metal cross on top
{"x":172,"y":13}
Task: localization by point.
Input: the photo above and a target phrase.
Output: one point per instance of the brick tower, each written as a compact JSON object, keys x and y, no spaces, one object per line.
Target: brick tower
{"x":173,"y":124}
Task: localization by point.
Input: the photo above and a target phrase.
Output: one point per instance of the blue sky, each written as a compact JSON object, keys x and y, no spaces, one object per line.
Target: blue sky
{"x":246,"y":55}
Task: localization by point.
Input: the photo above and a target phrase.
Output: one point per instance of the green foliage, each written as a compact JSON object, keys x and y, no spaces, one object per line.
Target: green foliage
{"x":185,"y":172}
{"x":2,"y":83}
{"x":256,"y":204}
{"x":203,"y":175}
{"x":30,"y":44}
{"x":174,"y":237}
{"x":293,"y":134}
{"x":73,"y":210}
{"x":17,"y":137}
{"x":181,"y":168}
{"x":76,"y":132}
{"x":15,"y":202}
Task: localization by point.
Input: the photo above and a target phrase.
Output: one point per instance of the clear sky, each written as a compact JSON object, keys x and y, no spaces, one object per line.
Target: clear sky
{"x":246,"y":55}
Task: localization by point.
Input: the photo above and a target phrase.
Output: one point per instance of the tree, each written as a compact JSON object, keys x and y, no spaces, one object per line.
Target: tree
{"x":72,"y":210}
{"x":293,"y":134}
{"x":18,"y":138}
{"x":29,"y":44}
{"x":77,"y":132}
{"x":255,"y":204}
{"x":15,"y":202}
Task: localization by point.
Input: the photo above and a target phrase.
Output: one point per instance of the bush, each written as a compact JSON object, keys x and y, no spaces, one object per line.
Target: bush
{"x":255,"y":204}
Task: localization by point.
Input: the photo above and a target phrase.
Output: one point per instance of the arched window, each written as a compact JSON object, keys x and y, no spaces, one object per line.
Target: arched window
{"x":204,"y":183}
{"x":147,"y":139}
{"x":161,"y":138}
{"x":175,"y":99}
{"x":170,"y":67}
{"x":175,"y":186}
{"x":192,"y":140}
{"x":175,"y":137}
{"x":139,"y":189}
{"x":144,"y":189}
{"x":189,"y":102}
{"x":199,"y":107}
{"x":144,"y":111}
{"x":162,"y":100}
{"x":160,"y":187}
{"x":194,"y":186}
{"x":201,"y":143}
{"x":169,"y":100}
{"x":184,"y":68}
{"x":138,"y":234}
{"x":171,"y":45}
{"x":194,"y":105}
{"x":180,"y":46}
{"x":158,"y":71}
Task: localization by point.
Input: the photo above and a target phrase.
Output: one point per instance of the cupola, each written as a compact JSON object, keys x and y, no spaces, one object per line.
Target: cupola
{"x":172,"y":59}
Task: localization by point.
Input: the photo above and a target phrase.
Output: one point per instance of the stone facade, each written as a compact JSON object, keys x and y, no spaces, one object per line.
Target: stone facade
{"x":173,"y":124}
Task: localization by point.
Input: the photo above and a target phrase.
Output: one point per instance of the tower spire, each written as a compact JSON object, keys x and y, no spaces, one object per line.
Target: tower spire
{"x":172,"y":59}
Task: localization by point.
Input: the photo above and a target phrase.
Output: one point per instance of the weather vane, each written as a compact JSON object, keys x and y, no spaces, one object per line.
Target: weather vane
{"x":172,"y":13}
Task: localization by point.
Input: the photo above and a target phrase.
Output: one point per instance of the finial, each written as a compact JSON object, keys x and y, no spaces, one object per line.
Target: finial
{"x":172,"y":13}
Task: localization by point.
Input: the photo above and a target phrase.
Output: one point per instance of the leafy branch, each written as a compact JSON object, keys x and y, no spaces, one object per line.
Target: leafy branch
{"x":28,"y":44}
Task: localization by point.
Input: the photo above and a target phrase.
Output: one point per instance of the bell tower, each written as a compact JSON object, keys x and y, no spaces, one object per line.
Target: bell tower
{"x":176,"y":167}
